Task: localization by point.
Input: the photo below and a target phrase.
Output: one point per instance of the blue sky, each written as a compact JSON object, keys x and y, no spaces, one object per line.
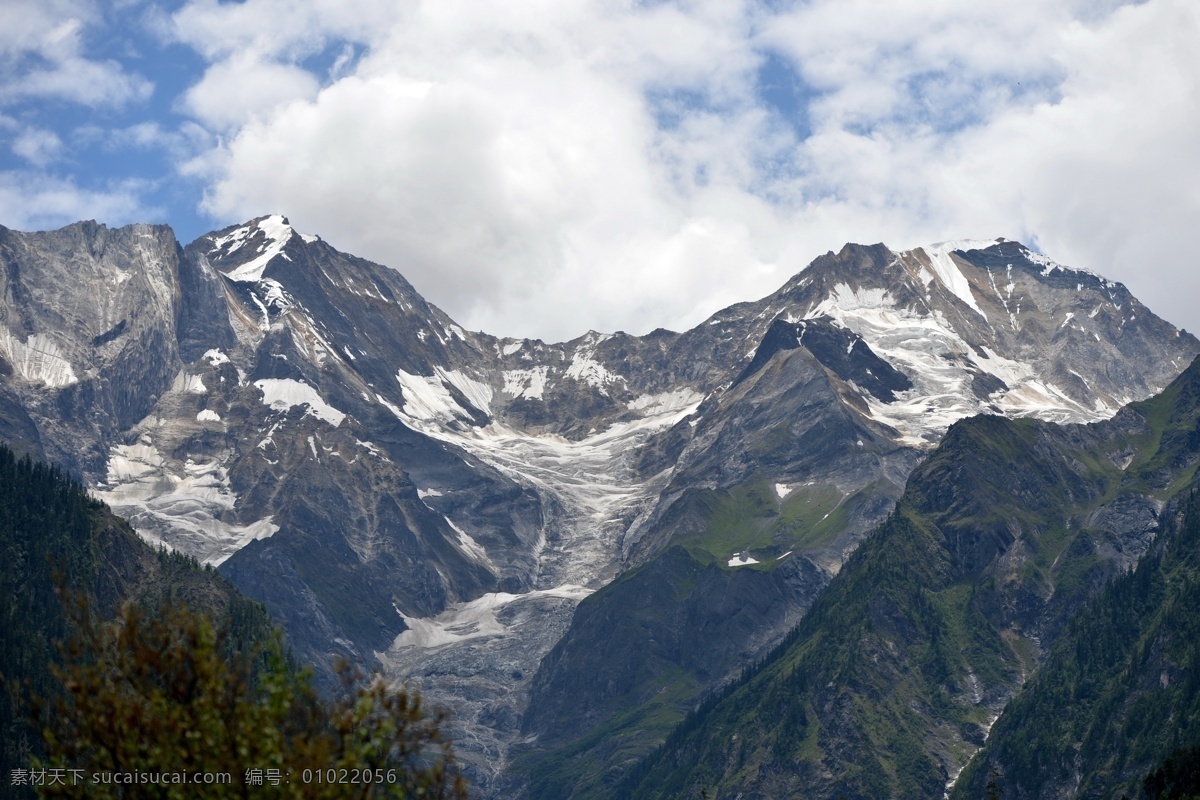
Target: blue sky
{"x":548,"y":166}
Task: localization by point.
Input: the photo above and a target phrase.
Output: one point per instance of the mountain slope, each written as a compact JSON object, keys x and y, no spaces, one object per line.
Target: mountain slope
{"x":401,"y":490}
{"x":1119,"y":692}
{"x":897,"y":673}
{"x":1117,"y":695}
{"x":868,"y":356}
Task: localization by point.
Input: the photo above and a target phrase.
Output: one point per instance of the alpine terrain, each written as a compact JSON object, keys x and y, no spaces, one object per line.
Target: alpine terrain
{"x":1036,"y":589}
{"x":570,"y":544}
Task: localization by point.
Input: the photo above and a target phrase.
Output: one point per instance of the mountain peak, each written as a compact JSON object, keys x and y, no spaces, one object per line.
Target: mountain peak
{"x":263,"y":237}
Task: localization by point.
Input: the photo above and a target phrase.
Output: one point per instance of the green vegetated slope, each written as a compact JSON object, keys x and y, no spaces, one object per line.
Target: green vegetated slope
{"x":52,"y":534}
{"x":891,"y":682}
{"x":751,"y":519}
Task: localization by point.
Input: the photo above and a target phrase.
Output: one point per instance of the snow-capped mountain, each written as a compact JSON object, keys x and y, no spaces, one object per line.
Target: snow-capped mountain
{"x":399,"y":489}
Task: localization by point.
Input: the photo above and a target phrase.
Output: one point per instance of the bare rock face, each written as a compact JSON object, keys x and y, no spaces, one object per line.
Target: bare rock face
{"x":88,"y":336}
{"x":439,"y":501}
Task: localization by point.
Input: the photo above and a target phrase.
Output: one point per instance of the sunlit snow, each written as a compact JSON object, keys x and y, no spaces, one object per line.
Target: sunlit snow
{"x":192,"y":384}
{"x":650,"y":405}
{"x":277,"y":232}
{"x":530,"y":383}
{"x":215,"y":357}
{"x":283,"y":393}
{"x":474,"y":620}
{"x":181,"y":506}
{"x":427,"y":398}
{"x":37,"y":360}
{"x":948,"y":272}
{"x":942,"y":366}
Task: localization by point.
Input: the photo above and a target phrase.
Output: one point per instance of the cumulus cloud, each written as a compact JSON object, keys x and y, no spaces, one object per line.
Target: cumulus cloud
{"x":277,"y":29}
{"x":242,"y":88}
{"x":546,"y":167}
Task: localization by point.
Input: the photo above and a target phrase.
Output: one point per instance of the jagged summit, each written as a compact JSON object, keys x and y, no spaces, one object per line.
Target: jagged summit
{"x":264,"y":237}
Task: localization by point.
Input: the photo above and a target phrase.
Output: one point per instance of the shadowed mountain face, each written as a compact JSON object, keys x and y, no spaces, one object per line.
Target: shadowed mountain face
{"x":440,"y":501}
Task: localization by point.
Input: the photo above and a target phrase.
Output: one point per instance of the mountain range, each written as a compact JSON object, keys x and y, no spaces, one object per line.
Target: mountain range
{"x":572,"y":544}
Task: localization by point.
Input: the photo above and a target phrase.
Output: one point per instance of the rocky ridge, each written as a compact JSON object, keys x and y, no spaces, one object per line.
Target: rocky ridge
{"x":399,"y":489}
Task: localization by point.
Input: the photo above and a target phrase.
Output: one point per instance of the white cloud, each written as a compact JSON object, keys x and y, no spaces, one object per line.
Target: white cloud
{"x":505,"y":160}
{"x":42,"y":57}
{"x":545,"y":167}
{"x":277,"y":29}
{"x":1106,"y":177}
{"x":241,"y":88}
{"x":38,"y":146}
{"x":32,"y":200}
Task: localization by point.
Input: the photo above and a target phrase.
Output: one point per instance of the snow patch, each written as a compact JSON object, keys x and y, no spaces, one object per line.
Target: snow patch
{"x":478,"y":394}
{"x":474,"y":620}
{"x":782,"y":490}
{"x":392,"y":408}
{"x":275,"y":296}
{"x":948,"y":272}
{"x":215,"y":358}
{"x":742,"y":560}
{"x":277,"y":232}
{"x":38,"y":359}
{"x":529,"y":383}
{"x":667,"y":402}
{"x":845,"y":298}
{"x":283,"y":393}
{"x":427,"y":398}
{"x":471,"y":548}
{"x":208,"y":415}
{"x":371,"y":448}
{"x":1049,"y":266}
{"x":587,"y":370}
{"x":192,"y":384}
{"x":184,"y":507}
